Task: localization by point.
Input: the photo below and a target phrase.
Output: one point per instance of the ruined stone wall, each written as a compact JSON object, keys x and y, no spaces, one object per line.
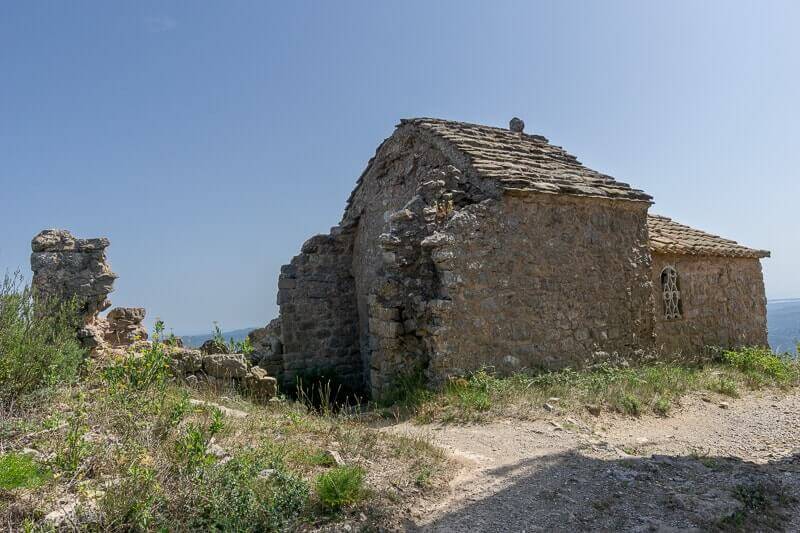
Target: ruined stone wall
{"x":316,"y":295}
{"x":723,"y":304}
{"x":407,"y":192}
{"x":65,"y":267}
{"x":541,"y":281}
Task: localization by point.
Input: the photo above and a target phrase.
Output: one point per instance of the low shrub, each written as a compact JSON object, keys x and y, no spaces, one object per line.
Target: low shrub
{"x":232,"y":345}
{"x":133,"y":502}
{"x":75,"y":448}
{"x":250,"y":492}
{"x":192,"y":447}
{"x":725,"y":386}
{"x":762,"y":365}
{"x":38,"y":344}
{"x":138,"y":371}
{"x":340,"y":487}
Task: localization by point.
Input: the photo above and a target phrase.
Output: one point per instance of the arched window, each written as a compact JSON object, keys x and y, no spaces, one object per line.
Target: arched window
{"x":671,"y":291}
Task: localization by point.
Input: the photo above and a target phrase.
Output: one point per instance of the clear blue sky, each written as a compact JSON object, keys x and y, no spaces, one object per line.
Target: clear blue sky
{"x":208,"y":140}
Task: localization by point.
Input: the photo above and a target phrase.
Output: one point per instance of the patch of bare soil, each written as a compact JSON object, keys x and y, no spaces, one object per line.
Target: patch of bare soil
{"x":731,"y":465}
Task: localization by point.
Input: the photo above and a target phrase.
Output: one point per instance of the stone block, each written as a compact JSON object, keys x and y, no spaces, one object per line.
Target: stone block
{"x":225,"y":365}
{"x":384,"y":328}
{"x":385,"y":313}
{"x":184,"y":361}
{"x":260,"y":385}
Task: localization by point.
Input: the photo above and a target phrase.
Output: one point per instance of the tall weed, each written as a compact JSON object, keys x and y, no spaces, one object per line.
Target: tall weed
{"x":38,"y":344}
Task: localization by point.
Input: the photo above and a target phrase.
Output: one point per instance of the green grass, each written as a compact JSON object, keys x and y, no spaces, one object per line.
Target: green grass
{"x":20,"y":472}
{"x":340,"y":487}
{"x":651,"y":388}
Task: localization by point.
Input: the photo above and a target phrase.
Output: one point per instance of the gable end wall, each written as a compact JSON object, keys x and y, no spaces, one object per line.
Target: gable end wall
{"x":542,"y":281}
{"x":723,"y":302}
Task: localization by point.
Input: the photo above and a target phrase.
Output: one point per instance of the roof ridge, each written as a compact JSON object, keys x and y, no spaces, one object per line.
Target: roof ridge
{"x":412,"y":120}
{"x":523,"y":163}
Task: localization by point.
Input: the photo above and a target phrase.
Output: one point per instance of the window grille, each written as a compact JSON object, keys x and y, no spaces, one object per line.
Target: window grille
{"x":671,"y":291}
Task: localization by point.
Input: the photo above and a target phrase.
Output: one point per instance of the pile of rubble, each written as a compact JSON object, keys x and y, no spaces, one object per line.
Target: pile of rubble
{"x":68,"y":268}
{"x":222,"y":370}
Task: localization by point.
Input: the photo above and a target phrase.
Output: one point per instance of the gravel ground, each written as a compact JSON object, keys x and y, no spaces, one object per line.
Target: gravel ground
{"x":713,"y":464}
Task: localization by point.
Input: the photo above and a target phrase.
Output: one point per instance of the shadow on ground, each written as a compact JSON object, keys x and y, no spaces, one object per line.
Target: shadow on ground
{"x":573,"y":492}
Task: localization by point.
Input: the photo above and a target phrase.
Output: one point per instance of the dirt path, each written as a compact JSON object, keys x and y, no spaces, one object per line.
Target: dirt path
{"x":709,"y":465}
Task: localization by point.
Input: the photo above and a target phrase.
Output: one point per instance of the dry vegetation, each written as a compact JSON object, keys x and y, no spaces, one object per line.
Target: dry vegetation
{"x":655,"y":388}
{"x":145,"y":454}
{"x":118,"y":445}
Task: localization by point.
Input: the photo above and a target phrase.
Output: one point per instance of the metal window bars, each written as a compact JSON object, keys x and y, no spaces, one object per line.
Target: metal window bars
{"x":671,"y":293}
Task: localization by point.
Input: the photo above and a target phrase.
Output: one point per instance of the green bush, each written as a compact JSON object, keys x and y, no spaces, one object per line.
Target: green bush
{"x":131,"y":504}
{"x":20,"y":471}
{"x":251,"y":492}
{"x":340,"y":487}
{"x":38,"y":345}
{"x":192,"y":447}
{"x":725,"y":386}
{"x":74,"y":449}
{"x":139,"y":371}
{"x":762,"y":365}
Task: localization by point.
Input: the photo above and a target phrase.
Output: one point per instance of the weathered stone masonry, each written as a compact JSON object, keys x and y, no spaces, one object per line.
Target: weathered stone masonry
{"x":721,"y":290}
{"x":318,"y":311}
{"x":536,"y":283}
{"x":464,"y":246}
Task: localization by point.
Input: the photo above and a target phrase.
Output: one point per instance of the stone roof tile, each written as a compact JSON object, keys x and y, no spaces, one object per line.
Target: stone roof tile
{"x":670,"y":237}
{"x":523,"y":163}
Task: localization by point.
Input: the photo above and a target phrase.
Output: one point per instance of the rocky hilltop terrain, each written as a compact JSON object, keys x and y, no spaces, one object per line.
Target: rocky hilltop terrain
{"x":144,"y":434}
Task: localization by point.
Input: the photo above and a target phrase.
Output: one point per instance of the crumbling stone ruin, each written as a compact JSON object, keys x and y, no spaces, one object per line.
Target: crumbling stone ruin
{"x":222,"y":370}
{"x":68,"y":268}
{"x":65,"y":267}
{"x":267,"y":347}
{"x":464,"y":246}
{"x":124,"y":326}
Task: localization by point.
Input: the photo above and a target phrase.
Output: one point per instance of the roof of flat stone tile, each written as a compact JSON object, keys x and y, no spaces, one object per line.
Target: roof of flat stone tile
{"x":523,"y":163}
{"x":670,"y":237}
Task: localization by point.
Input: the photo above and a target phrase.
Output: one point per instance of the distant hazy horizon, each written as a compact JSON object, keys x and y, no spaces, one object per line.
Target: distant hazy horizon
{"x":209,"y":140}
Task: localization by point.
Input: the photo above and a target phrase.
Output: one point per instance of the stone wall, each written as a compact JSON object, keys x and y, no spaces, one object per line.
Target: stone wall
{"x":65,"y":267}
{"x":723,"y":304}
{"x":541,"y":281}
{"x":124,"y":326}
{"x":406,"y":193}
{"x":316,"y":295}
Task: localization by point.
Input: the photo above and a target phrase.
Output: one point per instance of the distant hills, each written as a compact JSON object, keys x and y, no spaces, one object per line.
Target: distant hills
{"x":194,"y":341}
{"x":783,"y":319}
